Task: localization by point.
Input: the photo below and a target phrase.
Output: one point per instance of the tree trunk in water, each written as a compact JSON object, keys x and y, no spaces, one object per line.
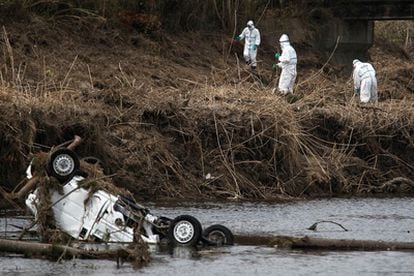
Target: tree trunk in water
{"x":56,"y":251}
{"x":318,"y":243}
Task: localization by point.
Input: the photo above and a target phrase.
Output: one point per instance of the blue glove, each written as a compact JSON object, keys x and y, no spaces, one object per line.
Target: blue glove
{"x":357,"y":91}
{"x":237,"y":38}
{"x":254,"y":47}
{"x":277,"y":56}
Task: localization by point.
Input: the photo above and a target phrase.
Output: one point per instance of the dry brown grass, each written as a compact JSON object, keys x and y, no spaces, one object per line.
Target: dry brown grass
{"x":398,"y":32}
{"x":173,"y":122}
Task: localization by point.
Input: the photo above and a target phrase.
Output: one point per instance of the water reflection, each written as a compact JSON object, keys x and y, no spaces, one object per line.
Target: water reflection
{"x":185,"y":253}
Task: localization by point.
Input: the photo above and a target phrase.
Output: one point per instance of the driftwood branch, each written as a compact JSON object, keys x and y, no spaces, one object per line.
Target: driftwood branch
{"x":398,"y":180}
{"x":313,"y":226}
{"x":9,"y":198}
{"x":75,"y":142}
{"x":31,"y":184}
{"x":71,"y":144}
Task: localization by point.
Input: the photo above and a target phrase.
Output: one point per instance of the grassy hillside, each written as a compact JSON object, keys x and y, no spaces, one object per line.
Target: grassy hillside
{"x":176,"y":114}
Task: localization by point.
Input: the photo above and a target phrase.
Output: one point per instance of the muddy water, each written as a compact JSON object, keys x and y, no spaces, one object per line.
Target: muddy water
{"x":373,"y":219}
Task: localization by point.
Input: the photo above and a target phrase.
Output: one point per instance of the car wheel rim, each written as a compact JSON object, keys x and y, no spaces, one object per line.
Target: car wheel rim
{"x":63,"y":165}
{"x":183,"y":231}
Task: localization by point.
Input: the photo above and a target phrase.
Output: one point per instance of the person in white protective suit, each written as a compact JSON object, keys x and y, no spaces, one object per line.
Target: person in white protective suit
{"x":365,"y":82}
{"x":287,"y":61}
{"x":251,"y":36}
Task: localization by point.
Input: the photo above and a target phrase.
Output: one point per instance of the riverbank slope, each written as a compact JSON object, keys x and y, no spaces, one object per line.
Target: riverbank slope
{"x":176,"y":114}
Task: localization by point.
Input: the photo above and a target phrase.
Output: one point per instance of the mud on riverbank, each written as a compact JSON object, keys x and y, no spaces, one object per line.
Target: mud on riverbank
{"x":175,"y":115}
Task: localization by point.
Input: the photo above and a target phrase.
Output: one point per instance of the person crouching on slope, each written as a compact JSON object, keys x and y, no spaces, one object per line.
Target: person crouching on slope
{"x":365,"y":81}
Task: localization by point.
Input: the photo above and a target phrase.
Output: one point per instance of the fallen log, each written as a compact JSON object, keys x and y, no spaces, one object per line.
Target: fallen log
{"x":320,"y":243}
{"x":55,"y":251}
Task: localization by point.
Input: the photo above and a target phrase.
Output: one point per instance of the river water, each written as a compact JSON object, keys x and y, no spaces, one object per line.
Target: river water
{"x":367,"y":219}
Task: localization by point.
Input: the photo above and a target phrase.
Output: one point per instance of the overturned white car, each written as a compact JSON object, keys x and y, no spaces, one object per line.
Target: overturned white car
{"x":102,"y":216}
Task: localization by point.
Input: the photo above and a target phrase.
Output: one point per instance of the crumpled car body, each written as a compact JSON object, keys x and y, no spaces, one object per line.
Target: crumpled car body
{"x":102,"y":216}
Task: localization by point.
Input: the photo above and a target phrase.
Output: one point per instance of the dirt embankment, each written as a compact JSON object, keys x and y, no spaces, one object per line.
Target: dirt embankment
{"x":177,"y":115}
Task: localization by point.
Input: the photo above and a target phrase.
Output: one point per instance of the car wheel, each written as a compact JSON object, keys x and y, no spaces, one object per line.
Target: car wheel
{"x":96,"y":161}
{"x":218,"y":234}
{"x":184,"y":231}
{"x":62,"y":164}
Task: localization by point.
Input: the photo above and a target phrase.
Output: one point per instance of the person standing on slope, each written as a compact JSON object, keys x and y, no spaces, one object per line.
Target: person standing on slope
{"x":365,"y":81}
{"x":251,"y":36}
{"x":287,"y":61}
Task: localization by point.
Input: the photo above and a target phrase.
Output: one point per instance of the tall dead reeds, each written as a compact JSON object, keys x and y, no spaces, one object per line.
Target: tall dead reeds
{"x":174,"y":119}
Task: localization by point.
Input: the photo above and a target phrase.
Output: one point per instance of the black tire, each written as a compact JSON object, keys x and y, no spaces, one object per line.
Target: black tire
{"x":184,"y":230}
{"x":94,"y":160}
{"x":218,"y":235}
{"x":62,"y":164}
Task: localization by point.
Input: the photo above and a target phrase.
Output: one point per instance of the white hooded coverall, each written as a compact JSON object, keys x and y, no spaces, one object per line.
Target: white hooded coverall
{"x":365,"y":80}
{"x":287,"y":61}
{"x":251,"y":37}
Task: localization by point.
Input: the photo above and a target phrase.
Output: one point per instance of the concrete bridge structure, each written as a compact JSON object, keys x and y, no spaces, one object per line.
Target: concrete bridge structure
{"x":349,"y":27}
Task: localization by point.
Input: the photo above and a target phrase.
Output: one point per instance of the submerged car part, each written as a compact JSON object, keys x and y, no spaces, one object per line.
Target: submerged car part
{"x":185,"y":230}
{"x":218,"y":234}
